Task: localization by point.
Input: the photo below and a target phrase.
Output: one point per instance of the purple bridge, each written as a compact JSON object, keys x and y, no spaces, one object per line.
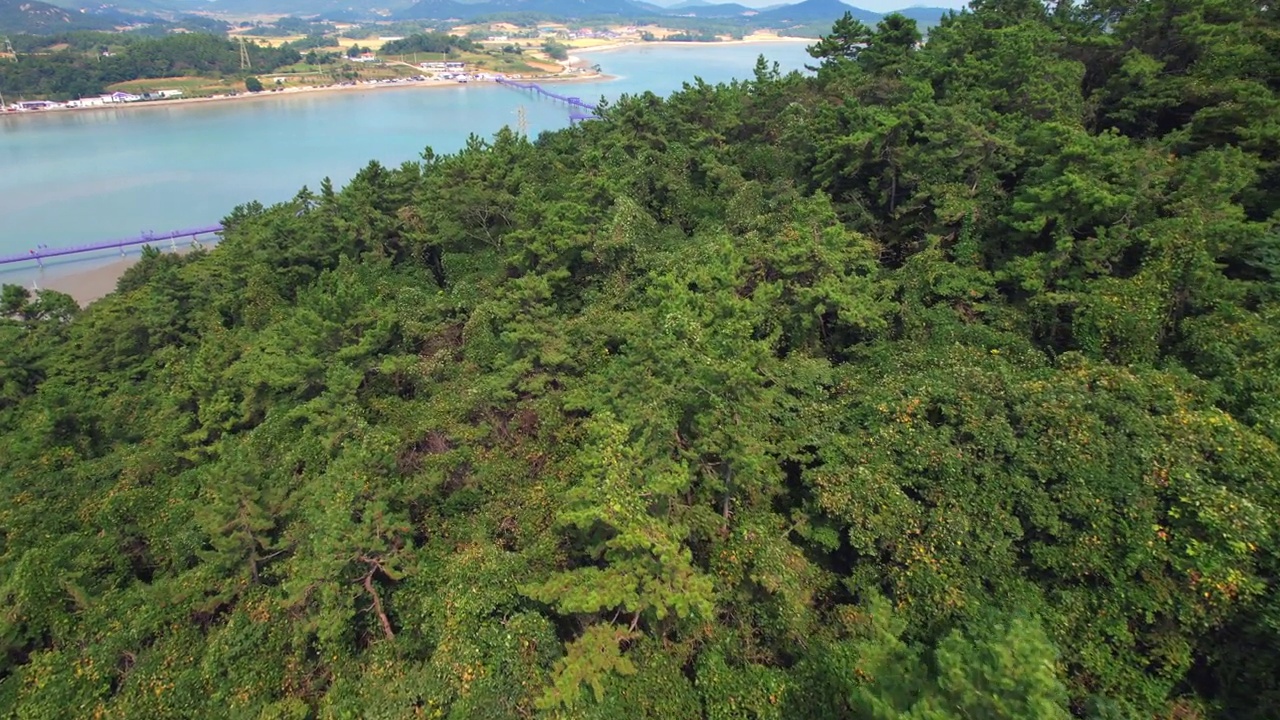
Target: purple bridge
{"x":148,"y":238}
{"x":573,"y":102}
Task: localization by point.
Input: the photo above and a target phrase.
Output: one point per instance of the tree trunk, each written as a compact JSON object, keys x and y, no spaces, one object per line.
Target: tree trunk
{"x":377,"y":606}
{"x":367,"y":581}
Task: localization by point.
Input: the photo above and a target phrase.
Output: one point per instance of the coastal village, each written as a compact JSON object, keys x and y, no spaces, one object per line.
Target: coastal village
{"x":369,"y":69}
{"x":434,"y":73}
{"x":115,"y":98}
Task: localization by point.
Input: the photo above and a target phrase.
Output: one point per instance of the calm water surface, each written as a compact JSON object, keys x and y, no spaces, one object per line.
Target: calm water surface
{"x":78,"y":177}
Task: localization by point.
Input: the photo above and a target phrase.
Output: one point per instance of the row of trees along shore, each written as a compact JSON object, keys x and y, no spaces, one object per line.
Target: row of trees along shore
{"x":939,"y":383}
{"x":74,"y":72}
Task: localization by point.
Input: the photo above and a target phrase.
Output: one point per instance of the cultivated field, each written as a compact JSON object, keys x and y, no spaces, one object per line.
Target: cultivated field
{"x":190,"y":86}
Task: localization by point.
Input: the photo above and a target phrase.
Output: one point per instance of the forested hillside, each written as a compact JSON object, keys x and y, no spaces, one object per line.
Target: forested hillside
{"x":32,"y":16}
{"x":941,"y":384}
{"x":80,"y":69}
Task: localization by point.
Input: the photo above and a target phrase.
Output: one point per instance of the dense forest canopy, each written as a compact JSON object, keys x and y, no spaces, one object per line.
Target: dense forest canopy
{"x":942,"y":383}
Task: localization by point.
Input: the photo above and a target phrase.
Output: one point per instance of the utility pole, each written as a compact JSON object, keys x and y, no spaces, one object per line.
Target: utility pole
{"x":244,"y":55}
{"x":8,"y":48}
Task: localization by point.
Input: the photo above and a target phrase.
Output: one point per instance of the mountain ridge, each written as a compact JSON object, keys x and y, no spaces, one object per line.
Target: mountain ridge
{"x":712,"y":10}
{"x":817,"y":10}
{"x":806,"y":11}
{"x":32,"y":16}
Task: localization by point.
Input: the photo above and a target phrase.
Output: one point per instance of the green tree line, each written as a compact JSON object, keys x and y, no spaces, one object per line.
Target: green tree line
{"x":81,"y":71}
{"x":429,"y":42}
{"x":940,"y":383}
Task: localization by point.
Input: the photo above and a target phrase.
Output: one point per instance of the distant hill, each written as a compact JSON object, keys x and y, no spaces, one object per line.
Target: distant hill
{"x":134,"y":7}
{"x":42,"y":17}
{"x":708,"y":10}
{"x":343,"y":15}
{"x":925,"y":16}
{"x":444,"y":9}
{"x":292,"y":7}
{"x":439,"y":9}
{"x":39,"y":18}
{"x":816,"y":10}
{"x":804,"y":12}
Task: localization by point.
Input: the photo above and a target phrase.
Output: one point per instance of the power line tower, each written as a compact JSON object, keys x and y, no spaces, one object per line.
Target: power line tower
{"x":244,"y":56}
{"x":522,"y":121}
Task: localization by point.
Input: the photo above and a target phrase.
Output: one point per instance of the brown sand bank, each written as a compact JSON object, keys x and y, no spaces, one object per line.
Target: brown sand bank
{"x":90,"y":284}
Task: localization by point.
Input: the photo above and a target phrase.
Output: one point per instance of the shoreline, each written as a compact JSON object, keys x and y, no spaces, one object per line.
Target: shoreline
{"x":295,"y":91}
{"x":99,"y":276}
{"x":572,"y":61}
{"x":91,"y":284}
{"x":91,"y":278}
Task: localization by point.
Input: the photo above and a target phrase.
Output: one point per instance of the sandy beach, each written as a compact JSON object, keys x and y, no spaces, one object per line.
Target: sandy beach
{"x":90,"y":284}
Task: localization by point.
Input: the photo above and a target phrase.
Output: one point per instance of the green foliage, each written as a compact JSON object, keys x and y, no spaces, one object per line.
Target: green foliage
{"x":427,"y":43}
{"x":847,"y":39}
{"x":1001,"y":668}
{"x":940,"y":383}
{"x":73,"y":72}
{"x":556,"y":50}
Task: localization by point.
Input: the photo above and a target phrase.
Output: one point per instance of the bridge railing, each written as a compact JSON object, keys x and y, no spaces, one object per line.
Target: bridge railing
{"x":146,"y":238}
{"x":576,"y":102}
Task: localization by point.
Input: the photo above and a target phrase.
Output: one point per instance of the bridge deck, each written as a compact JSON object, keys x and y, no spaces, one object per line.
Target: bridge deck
{"x":576,"y":102}
{"x":143,"y":239}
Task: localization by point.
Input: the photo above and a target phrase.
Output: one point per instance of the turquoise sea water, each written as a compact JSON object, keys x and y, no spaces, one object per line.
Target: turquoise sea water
{"x":77,"y":177}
